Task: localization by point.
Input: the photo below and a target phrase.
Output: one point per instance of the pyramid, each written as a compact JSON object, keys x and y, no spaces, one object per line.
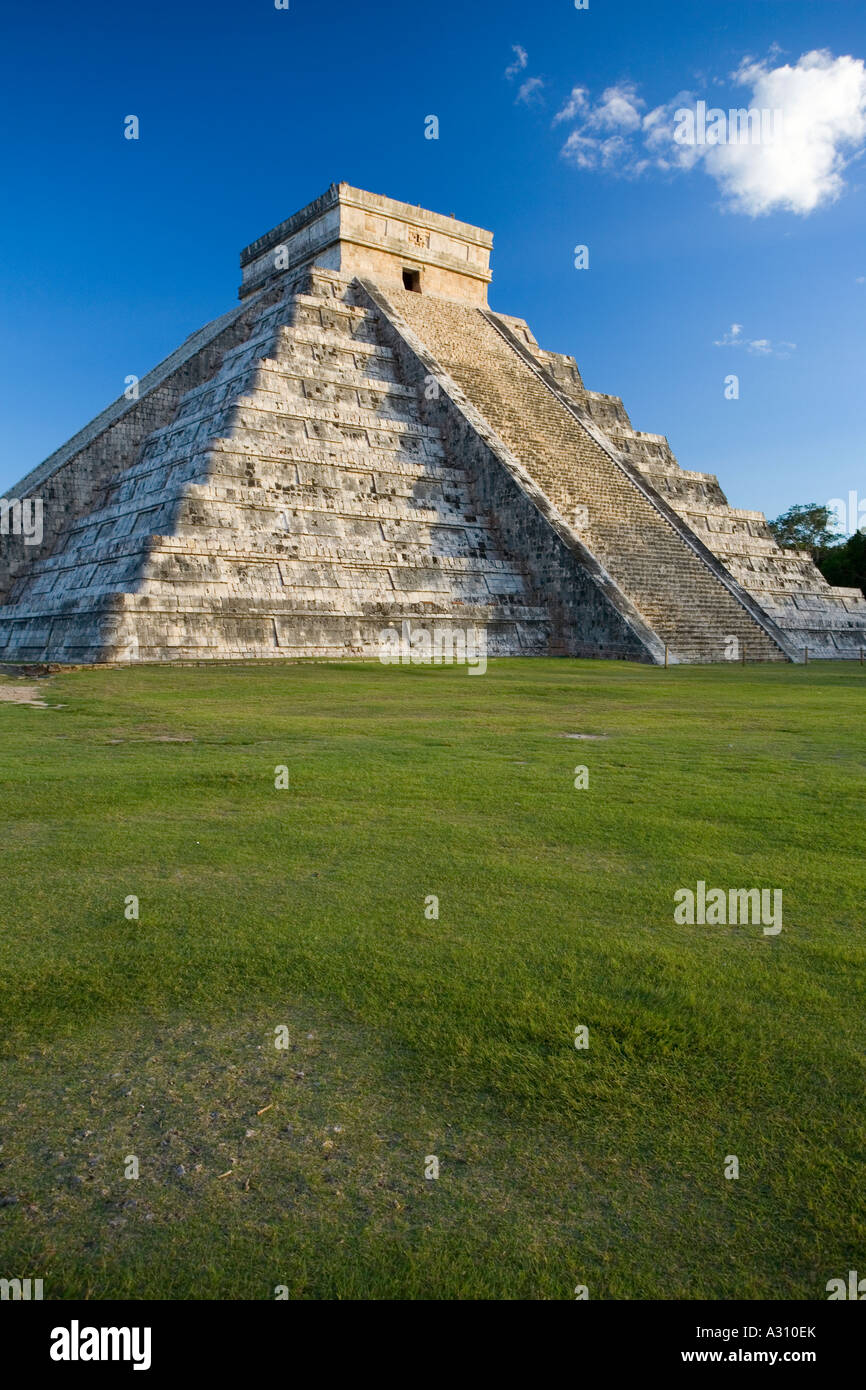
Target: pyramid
{"x":362,"y":447}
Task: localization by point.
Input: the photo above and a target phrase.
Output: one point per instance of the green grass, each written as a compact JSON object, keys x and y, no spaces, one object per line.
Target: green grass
{"x":413,"y":1037}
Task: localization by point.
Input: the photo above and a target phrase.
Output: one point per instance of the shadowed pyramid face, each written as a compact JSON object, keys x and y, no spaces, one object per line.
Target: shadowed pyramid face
{"x":361,"y":449}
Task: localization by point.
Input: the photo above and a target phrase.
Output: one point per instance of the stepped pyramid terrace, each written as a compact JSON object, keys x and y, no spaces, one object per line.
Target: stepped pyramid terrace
{"x":362,"y":443}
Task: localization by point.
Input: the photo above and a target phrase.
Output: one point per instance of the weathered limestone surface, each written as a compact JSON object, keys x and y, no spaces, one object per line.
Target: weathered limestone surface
{"x":827,"y":620}
{"x":340,"y":454}
{"x":359,"y":233}
{"x":71,"y":480}
{"x":590,"y":615}
{"x":295,"y":505}
{"x":685,"y":601}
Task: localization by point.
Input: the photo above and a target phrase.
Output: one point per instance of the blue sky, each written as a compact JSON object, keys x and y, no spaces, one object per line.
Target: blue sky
{"x":113,"y":251}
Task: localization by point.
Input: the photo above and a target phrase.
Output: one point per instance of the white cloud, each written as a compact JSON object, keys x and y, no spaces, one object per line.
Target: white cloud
{"x":521,"y":58}
{"x":530,"y":90}
{"x":822,"y":127}
{"x":823,"y":104}
{"x":619,"y":109}
{"x":733,"y":337}
{"x":601,"y":140}
{"x":759,"y":347}
{"x":576,"y":105}
{"x":590,"y":153}
{"x":581,"y":150}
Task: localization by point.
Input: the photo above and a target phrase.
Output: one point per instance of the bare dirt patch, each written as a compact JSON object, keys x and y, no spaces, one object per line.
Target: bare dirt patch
{"x":156,"y":738}
{"x":22,"y":695}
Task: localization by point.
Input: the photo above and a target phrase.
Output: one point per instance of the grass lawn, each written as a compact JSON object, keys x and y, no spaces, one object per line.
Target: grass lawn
{"x":409,"y":1037}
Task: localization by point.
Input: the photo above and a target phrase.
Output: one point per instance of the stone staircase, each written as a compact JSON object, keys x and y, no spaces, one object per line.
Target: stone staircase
{"x":295,"y":506}
{"x":684,"y":595}
{"x":816,"y":617}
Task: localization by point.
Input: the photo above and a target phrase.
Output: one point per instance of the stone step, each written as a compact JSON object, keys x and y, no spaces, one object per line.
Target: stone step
{"x":465,"y":553}
{"x":345,"y":571}
{"x":342,"y":606}
{"x":337,"y":308}
{"x":264,"y":411}
{"x":229,"y":631}
{"x":457,"y":547}
{"x":407,"y":460}
{"x":372,"y":353}
{"x":283,"y":380}
{"x":334,"y":316}
{"x":413,"y":499}
{"x":199,"y":508}
{"x":380,"y":457}
{"x":782,"y":582}
{"x":290,"y":376}
{"x":381,"y":547}
{"x":334,"y":483}
{"x":282,"y":509}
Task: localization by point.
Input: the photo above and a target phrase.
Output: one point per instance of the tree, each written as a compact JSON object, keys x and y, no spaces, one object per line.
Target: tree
{"x":808,"y":527}
{"x":845,"y":564}
{"x":805,"y":528}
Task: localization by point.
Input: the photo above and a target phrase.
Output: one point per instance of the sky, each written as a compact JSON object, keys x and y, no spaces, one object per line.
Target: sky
{"x":558,"y":127}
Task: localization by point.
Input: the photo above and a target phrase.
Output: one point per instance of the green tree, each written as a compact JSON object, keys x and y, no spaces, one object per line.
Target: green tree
{"x":805,"y":528}
{"x":845,"y":564}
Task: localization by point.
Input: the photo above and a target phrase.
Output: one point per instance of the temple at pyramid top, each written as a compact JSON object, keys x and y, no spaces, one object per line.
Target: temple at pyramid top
{"x":364,"y":234}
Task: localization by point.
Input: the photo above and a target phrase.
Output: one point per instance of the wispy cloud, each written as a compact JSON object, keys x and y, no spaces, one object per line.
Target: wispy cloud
{"x":530,"y":90}
{"x":521,"y":58}
{"x":577,"y":105}
{"x":603,"y":138}
{"x":759,"y":347}
{"x":733,"y":337}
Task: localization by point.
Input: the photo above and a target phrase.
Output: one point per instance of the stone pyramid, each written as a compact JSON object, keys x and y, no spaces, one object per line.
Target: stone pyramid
{"x":362,"y":446}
